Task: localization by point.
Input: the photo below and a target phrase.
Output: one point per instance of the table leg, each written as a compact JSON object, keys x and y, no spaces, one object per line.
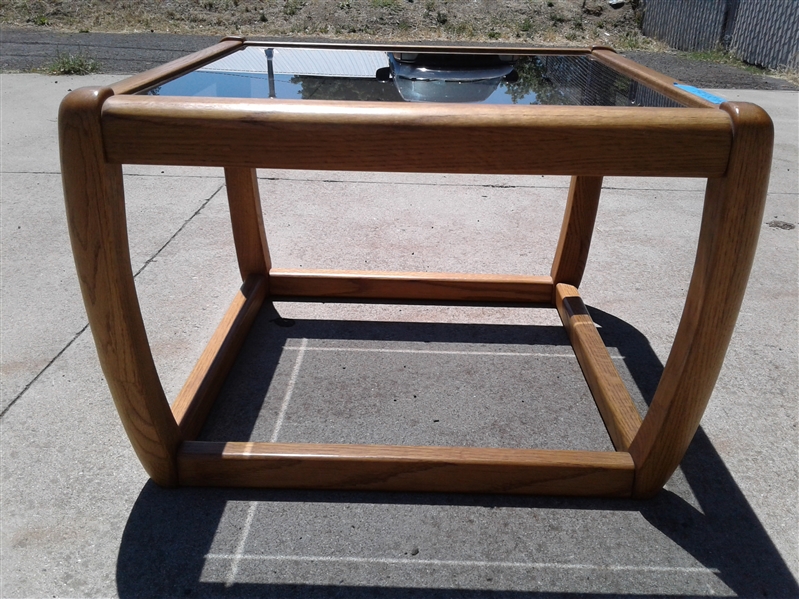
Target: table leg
{"x":575,"y":233}
{"x":731,"y":223}
{"x":95,"y":204}
{"x":247,"y":219}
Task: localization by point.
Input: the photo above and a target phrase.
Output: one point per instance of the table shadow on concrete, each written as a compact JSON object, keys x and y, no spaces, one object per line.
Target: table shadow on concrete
{"x":171,"y":533}
{"x":406,"y":383}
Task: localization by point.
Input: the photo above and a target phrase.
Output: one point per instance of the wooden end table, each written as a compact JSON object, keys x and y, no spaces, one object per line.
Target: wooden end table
{"x":661,"y":129}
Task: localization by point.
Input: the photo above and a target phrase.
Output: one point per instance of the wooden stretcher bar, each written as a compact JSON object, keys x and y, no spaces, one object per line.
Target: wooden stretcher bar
{"x":400,"y":468}
{"x":421,"y":286}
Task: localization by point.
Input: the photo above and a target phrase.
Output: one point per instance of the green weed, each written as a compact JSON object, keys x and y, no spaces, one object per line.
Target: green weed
{"x":630,"y":41}
{"x":721,"y":57}
{"x":463,"y":29}
{"x":73,"y":64}
{"x":292,"y":7}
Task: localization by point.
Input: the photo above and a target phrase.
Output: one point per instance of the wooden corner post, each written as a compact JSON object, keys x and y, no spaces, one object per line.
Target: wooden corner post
{"x":95,"y":205}
{"x":731,"y":221}
{"x":246,"y":217}
{"x":571,"y":255}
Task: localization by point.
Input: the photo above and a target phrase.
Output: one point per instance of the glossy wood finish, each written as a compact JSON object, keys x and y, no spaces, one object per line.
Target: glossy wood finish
{"x":95,"y":204}
{"x":394,"y":468}
{"x":197,"y":396}
{"x":610,"y":394}
{"x":576,"y":231}
{"x":247,"y":219}
{"x":99,"y":131}
{"x":731,"y":223}
{"x":396,"y":136}
{"x":422,"y":286}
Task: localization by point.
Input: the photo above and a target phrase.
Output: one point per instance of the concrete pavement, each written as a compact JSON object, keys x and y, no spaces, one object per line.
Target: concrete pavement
{"x":80,"y":519}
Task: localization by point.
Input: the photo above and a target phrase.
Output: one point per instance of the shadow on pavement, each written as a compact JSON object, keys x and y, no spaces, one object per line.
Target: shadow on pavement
{"x":170,"y":532}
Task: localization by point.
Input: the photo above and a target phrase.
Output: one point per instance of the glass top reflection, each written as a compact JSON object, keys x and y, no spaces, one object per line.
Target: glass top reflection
{"x":290,"y":73}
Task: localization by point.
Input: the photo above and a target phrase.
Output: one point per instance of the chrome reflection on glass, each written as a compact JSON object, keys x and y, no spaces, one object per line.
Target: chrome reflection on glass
{"x":449,"y":77}
{"x":291,"y":73}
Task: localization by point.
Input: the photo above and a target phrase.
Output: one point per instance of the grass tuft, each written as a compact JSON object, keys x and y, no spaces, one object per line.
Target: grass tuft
{"x":725,"y":57}
{"x":721,"y":57}
{"x":73,"y":64}
{"x":292,"y":7}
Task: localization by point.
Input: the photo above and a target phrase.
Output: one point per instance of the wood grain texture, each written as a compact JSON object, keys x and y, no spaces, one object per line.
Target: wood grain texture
{"x":413,"y":469}
{"x":197,"y":396}
{"x":731,"y":223}
{"x":170,"y":70}
{"x":610,"y":394}
{"x":652,"y":79}
{"x":416,"y":137}
{"x":247,"y":219}
{"x":353,"y":284}
{"x":576,"y":231}
{"x":95,"y":205}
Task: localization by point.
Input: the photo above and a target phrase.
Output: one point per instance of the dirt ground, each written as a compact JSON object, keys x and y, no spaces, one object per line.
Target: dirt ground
{"x":547,"y":22}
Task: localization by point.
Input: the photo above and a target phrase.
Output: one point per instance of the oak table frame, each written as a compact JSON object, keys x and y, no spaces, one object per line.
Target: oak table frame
{"x":102,"y":128}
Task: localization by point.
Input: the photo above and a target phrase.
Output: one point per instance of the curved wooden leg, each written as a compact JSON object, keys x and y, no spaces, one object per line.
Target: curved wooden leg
{"x":95,"y":204}
{"x":576,"y":231}
{"x":731,"y":221}
{"x":247,"y":219}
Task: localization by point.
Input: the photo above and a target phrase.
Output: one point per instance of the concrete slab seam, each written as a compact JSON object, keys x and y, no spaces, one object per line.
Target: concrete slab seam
{"x":237,"y":557}
{"x":43,"y":370}
{"x":245,"y":532}
{"x":127,"y":175}
{"x":385,"y":350}
{"x":417,"y":183}
{"x":289,"y":391}
{"x":176,"y":233}
{"x":86,"y":326}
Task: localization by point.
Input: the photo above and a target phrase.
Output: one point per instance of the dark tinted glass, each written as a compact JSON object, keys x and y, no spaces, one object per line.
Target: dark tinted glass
{"x":365,"y":75}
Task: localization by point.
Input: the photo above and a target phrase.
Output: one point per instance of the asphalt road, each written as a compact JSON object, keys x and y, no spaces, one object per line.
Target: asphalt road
{"x":33,"y":49}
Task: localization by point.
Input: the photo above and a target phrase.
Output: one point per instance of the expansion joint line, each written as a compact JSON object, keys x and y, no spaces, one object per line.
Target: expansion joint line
{"x":86,"y":326}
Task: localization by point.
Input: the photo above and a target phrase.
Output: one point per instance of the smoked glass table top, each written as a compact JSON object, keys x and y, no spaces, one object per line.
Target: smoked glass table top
{"x":292,"y":73}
